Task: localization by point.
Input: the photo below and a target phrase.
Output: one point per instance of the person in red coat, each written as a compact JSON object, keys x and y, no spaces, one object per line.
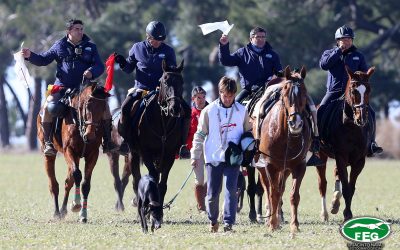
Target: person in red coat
{"x":198,"y":104}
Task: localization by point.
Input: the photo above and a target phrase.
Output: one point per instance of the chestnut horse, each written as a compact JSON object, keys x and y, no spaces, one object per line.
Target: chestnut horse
{"x":285,"y":136}
{"x":345,"y":135}
{"x":80,"y":136}
{"x":158,"y":136}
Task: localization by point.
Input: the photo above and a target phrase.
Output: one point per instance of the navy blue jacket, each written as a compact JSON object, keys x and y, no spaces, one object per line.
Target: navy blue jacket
{"x":254,"y":68}
{"x":334,"y":60}
{"x":71,"y":60}
{"x":148,"y":63}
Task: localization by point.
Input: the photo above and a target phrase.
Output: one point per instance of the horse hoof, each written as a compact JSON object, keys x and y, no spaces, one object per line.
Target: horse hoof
{"x":335,"y":206}
{"x":259,"y":218}
{"x":76,"y":208}
{"x":83,"y":220}
{"x":57,"y":216}
{"x":324,"y":216}
{"x":119,"y":207}
{"x":134,"y":202}
{"x":252,"y":216}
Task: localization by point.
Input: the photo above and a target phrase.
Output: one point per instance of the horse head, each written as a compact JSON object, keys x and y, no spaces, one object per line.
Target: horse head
{"x":357,"y":94}
{"x":171,"y":89}
{"x":91,"y":104}
{"x":294,"y":98}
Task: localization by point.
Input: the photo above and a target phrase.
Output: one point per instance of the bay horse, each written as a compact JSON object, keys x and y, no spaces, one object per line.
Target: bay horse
{"x":158,"y":134}
{"x":345,"y":135}
{"x":285,"y":137}
{"x":80,"y":136}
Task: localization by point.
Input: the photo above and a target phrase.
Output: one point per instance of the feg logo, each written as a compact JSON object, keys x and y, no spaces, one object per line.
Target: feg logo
{"x":365,"y":229}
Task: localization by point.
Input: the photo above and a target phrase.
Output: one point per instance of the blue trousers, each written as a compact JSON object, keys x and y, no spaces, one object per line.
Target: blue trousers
{"x":215,"y":179}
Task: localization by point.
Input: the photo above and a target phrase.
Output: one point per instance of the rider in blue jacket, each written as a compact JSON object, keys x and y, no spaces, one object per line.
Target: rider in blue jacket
{"x":257,"y":62}
{"x":146,"y":58}
{"x":334,"y":61}
{"x":76,"y":58}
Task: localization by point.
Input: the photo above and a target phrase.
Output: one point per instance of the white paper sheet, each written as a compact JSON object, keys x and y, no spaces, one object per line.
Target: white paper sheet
{"x":224,"y":26}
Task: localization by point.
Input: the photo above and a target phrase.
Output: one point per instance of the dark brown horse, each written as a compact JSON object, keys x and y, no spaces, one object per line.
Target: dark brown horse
{"x":80,"y":136}
{"x":284,"y":141}
{"x":345,"y":134}
{"x":158,"y":135}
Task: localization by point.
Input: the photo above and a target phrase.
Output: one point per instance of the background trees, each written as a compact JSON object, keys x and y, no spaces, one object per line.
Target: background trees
{"x":298,"y":30}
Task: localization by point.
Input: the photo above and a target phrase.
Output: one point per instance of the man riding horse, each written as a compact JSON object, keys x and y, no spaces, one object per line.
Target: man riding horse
{"x":334,"y":61}
{"x":146,"y":57}
{"x":76,"y":57}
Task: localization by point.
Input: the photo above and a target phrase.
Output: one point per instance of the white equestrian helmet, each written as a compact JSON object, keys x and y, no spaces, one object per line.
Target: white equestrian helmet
{"x":247,"y":142}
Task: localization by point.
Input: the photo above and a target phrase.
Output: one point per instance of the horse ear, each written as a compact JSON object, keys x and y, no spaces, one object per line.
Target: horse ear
{"x":303,"y":72}
{"x":370,"y":71}
{"x":164,"y":65}
{"x":286,"y":73}
{"x":349,"y":72}
{"x":180,"y":66}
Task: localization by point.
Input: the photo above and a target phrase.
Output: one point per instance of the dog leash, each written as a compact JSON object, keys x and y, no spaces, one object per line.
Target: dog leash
{"x":168,"y":205}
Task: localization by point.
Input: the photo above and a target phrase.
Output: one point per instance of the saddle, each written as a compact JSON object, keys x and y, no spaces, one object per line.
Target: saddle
{"x":328,"y":118}
{"x":137,"y":110}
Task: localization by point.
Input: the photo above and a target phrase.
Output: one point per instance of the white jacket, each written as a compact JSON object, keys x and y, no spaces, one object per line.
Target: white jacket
{"x":215,"y":131}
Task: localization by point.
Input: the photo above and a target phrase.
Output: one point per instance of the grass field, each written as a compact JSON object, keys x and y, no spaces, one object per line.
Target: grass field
{"x":26,"y":212}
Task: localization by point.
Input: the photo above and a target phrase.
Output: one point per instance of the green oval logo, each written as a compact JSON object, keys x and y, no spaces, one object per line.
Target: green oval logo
{"x":365,"y":229}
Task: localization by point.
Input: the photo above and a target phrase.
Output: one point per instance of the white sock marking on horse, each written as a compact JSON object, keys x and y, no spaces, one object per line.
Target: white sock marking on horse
{"x":323,"y":204}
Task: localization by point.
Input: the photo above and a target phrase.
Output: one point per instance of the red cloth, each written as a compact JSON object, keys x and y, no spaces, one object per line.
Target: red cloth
{"x":110,"y":72}
{"x":194,"y":121}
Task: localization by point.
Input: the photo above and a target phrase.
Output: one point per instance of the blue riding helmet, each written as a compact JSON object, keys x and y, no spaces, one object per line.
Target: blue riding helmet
{"x":57,"y":109}
{"x":157,"y":30}
{"x":344,"y":31}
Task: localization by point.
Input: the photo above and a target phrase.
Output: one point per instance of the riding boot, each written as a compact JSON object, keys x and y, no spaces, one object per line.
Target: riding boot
{"x":374,"y":148}
{"x":184,"y":152}
{"x":124,"y":149}
{"x":200,"y":195}
{"x":108,"y":144}
{"x":315,"y":145}
{"x":48,"y":147}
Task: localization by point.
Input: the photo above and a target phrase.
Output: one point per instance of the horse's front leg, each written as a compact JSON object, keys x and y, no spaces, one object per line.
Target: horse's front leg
{"x":265,"y":182}
{"x":74,"y":176}
{"x":354,"y":173}
{"x":132,"y":166}
{"x":251,"y":192}
{"x":49,"y":163}
{"x":321,"y":172}
{"x":297,"y":176}
{"x":165,"y":168}
{"x":90,"y":163}
{"x":113,"y":159}
{"x":274,"y":196}
{"x":342,"y":173}
{"x":337,"y":193}
{"x":259,"y":193}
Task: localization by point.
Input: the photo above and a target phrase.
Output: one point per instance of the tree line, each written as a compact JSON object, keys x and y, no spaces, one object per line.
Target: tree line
{"x":298,"y":30}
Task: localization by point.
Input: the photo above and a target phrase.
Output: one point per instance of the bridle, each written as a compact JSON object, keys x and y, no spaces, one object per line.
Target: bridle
{"x":354,"y":107}
{"x":165,"y":96}
{"x":293,"y":93}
